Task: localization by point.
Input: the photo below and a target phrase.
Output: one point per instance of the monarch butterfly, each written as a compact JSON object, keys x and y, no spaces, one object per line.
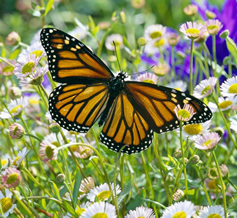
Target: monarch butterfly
{"x":128,"y":110}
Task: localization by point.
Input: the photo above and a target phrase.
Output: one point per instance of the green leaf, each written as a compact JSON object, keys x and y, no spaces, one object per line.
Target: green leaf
{"x":155,"y":202}
{"x":56,"y":190}
{"x":190,"y":191}
{"x":14,"y":54}
{"x":232,"y":47}
{"x":174,"y":161}
{"x":126,"y":191}
{"x":76,"y":187}
{"x":48,"y":7}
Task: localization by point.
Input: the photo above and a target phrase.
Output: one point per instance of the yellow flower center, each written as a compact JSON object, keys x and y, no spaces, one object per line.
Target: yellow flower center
{"x":74,"y":148}
{"x":16,"y":108}
{"x":37,"y":53}
{"x":159,"y":43}
{"x":233,"y":88}
{"x":208,"y":142}
{"x":183,"y":114}
{"x":225,"y":104}
{"x":214,"y":215}
{"x":79,"y":211}
{"x":6,"y":204}
{"x":103,"y":195}
{"x":180,"y":214}
{"x":49,"y":152}
{"x":140,"y":217}
{"x":193,"y":31}
{"x":55,"y":143}
{"x":14,"y":162}
{"x":148,"y":81}
{"x":34,"y":101}
{"x":212,"y":184}
{"x":4,"y":162}
{"x":8,"y":69}
{"x":27,"y":68}
{"x":100,"y":215}
{"x":193,"y":129}
{"x":12,"y":178}
{"x":156,"y":34}
{"x":205,"y":90}
{"x":212,"y":27}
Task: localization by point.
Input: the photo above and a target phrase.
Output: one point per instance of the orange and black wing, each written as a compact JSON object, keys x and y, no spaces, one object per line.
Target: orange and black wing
{"x":157,"y":103}
{"x":124,"y":126}
{"x":70,"y":60}
{"x":76,"y":107}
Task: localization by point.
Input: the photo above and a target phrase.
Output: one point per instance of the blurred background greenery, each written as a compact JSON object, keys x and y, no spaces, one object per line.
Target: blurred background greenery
{"x":16,"y":15}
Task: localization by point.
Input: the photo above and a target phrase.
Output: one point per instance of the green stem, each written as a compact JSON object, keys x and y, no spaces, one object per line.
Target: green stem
{"x":191,"y":68}
{"x":184,"y":165}
{"x":221,"y":183}
{"x":215,"y":62}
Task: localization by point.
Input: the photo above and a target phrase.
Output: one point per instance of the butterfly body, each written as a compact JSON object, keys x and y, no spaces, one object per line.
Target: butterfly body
{"x":129,"y":111}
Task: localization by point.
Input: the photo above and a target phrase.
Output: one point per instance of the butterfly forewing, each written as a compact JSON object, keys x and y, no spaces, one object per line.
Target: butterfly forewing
{"x":157,"y":103}
{"x":125,"y":126}
{"x":70,"y":60}
{"x":76,"y":107}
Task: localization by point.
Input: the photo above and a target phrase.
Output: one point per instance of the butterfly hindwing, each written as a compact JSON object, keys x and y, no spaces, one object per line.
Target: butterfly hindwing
{"x":125,"y":126}
{"x":76,"y":107}
{"x":70,"y":60}
{"x":156,"y":104}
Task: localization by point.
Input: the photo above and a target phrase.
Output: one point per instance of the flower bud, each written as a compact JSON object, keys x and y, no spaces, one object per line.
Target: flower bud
{"x":54,"y":127}
{"x":224,"y":34}
{"x":60,"y":178}
{"x":219,"y":130}
{"x":177,"y":153}
{"x":14,"y":93}
{"x":212,"y":173}
{"x":141,"y":41}
{"x":16,"y":131}
{"x":195,"y":159}
{"x":210,"y":14}
{"x":13,"y":38}
{"x":224,"y":171}
{"x":178,"y":195}
{"x":191,"y":10}
{"x":123,"y":16}
{"x":173,"y":39}
{"x":138,"y":3}
{"x":227,"y":60}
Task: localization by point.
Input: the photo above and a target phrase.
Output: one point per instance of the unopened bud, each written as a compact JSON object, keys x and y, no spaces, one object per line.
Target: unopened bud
{"x":60,"y":178}
{"x":141,"y":41}
{"x":210,"y":14}
{"x":13,"y":38}
{"x":16,"y":131}
{"x":178,"y":195}
{"x":177,"y":153}
{"x":191,"y":10}
{"x":55,"y":128}
{"x":224,"y":171}
{"x":195,"y":159}
{"x":14,"y":92}
{"x":212,"y":173}
{"x":224,"y":34}
{"x":123,"y":16}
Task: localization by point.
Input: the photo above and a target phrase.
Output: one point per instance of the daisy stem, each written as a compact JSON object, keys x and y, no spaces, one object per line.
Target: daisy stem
{"x":184,"y":165}
{"x":221,"y":183}
{"x":172,"y":61}
{"x":204,"y":186}
{"x":191,"y":68}
{"x":26,"y":209}
{"x":43,"y":96}
{"x":53,"y":84}
{"x":96,"y":140}
{"x":226,"y":124}
{"x":215,"y":66}
{"x":147,"y":176}
{"x":122,"y":182}
{"x":235,"y":187}
{"x":6,"y":61}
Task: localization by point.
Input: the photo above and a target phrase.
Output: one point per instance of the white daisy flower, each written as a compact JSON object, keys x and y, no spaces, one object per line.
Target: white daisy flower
{"x":6,"y":203}
{"x":100,"y":209}
{"x":16,"y":161}
{"x":229,"y":87}
{"x":224,"y":104}
{"x":192,"y":131}
{"x":35,"y":77}
{"x":48,"y":152}
{"x":148,"y":77}
{"x":207,"y":141}
{"x":35,"y":49}
{"x":102,"y":192}
{"x":52,"y":139}
{"x":79,"y":32}
{"x":205,"y":88}
{"x":26,"y":64}
{"x":15,"y":107}
{"x":179,"y":85}
{"x":180,"y":209}
{"x":154,"y":46}
{"x":154,"y":32}
{"x":192,"y":29}
{"x":185,"y":113}
{"x":114,"y":38}
{"x":161,"y":69}
{"x":213,"y":211}
{"x":141,"y":212}
{"x":213,"y":26}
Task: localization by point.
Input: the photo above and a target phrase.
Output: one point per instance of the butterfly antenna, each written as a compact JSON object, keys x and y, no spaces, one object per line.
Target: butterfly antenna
{"x":116,"y":54}
{"x":146,"y":69}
